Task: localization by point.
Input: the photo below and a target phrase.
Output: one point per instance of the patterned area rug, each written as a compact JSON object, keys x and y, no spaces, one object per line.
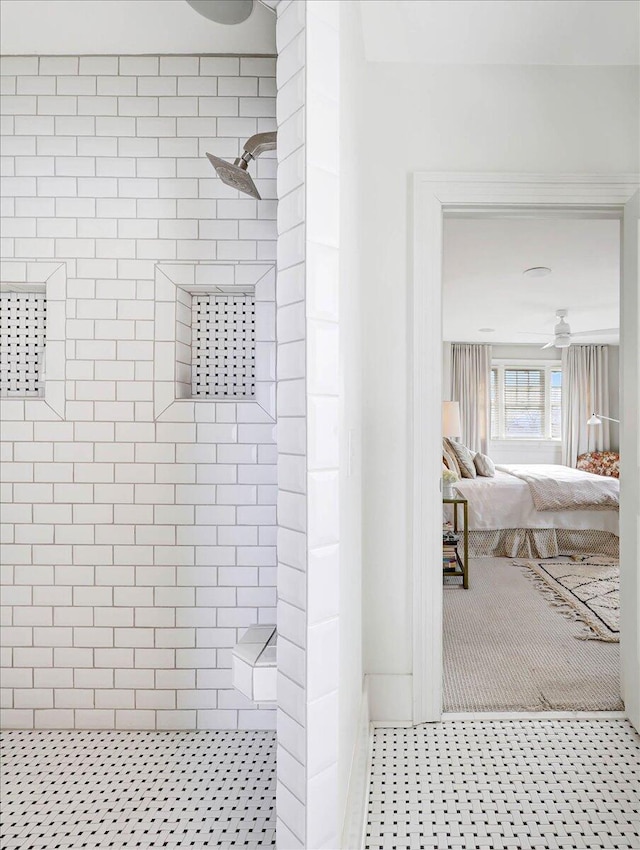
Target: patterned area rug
{"x":586,"y":588}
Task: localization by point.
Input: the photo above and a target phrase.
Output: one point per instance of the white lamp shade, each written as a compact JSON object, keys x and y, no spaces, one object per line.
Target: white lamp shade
{"x":451,"y":419}
{"x":594,"y":419}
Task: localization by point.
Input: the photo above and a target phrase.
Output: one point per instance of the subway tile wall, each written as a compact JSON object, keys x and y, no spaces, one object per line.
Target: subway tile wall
{"x":292,"y":429}
{"x":323,"y":405}
{"x":308,"y":424}
{"x":135,"y":551}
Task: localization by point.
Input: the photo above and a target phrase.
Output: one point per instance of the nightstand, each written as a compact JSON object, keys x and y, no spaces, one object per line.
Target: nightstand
{"x":459,"y":561}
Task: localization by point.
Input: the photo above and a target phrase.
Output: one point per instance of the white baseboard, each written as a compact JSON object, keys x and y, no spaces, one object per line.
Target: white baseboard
{"x":355,"y":816}
{"x":390,"y":698}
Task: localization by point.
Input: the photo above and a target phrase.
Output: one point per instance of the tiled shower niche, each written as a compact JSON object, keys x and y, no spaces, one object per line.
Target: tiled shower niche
{"x":223,"y":346}
{"x":32,"y":339}
{"x":23,"y":317}
{"x":215,"y":334}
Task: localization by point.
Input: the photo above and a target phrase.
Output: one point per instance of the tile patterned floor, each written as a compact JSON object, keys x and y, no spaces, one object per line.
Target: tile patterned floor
{"x":68,"y":790}
{"x":494,"y":784}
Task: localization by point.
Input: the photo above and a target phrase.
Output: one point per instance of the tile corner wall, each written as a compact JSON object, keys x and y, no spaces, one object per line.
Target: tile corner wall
{"x":308,"y":424}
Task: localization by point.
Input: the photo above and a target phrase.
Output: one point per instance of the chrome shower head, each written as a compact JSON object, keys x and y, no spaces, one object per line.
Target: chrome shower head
{"x":236,"y":174}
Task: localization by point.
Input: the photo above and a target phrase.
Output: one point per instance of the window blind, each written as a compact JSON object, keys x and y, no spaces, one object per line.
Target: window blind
{"x":524,"y":406}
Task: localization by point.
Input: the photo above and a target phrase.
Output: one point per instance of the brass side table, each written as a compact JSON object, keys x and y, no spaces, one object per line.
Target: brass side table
{"x":462,"y":563}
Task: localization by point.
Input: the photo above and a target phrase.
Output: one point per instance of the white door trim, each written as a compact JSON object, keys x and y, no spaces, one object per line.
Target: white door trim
{"x":433,"y":194}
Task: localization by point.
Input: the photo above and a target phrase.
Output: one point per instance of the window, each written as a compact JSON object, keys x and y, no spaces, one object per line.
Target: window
{"x":526,"y":401}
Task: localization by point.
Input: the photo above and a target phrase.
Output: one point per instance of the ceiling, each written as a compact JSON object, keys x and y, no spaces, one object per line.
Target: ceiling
{"x":502,"y":32}
{"x":483,"y":284}
{"x":58,"y":27}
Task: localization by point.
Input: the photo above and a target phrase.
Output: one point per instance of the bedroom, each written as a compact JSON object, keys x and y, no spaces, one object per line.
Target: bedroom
{"x":536,"y":626}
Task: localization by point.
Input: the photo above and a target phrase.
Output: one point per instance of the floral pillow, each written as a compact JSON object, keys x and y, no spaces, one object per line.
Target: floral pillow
{"x":600,"y":463}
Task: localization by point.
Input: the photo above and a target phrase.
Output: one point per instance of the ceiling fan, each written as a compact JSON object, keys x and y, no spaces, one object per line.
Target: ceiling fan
{"x":562,"y":332}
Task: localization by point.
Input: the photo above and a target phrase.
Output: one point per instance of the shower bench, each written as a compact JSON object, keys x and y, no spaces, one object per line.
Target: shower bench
{"x":254,"y":664}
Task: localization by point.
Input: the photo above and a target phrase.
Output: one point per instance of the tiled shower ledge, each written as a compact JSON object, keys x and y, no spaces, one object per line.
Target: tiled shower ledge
{"x":254,"y":664}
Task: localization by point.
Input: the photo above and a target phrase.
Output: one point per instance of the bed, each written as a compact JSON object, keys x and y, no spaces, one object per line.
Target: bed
{"x":505,"y":522}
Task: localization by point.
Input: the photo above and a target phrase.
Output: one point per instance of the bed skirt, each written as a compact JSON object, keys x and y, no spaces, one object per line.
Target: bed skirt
{"x":541,"y":543}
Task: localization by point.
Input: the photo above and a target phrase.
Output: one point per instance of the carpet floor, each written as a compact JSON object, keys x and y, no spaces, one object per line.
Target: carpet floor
{"x":507,"y":649}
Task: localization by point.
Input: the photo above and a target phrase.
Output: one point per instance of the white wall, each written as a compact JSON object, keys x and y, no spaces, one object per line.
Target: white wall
{"x":351,"y":413}
{"x":44,"y":27}
{"x":136,"y":551}
{"x":535,"y":119}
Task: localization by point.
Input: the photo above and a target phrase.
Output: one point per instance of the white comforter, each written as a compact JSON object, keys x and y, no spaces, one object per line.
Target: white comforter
{"x":561,"y":488}
{"x":505,"y":502}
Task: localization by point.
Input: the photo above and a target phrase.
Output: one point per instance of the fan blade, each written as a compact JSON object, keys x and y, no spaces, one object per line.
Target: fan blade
{"x":548,"y":345}
{"x":598,"y":331}
{"x":531,"y":333}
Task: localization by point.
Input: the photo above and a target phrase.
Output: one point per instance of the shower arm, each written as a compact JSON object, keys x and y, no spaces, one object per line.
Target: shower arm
{"x":260,"y":143}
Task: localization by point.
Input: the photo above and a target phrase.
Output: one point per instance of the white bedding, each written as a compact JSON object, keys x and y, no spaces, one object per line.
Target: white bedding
{"x":505,"y":502}
{"x":560,"y":488}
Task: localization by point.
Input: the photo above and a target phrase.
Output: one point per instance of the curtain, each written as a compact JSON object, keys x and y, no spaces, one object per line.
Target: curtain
{"x":585,"y":390}
{"x":471,"y":386}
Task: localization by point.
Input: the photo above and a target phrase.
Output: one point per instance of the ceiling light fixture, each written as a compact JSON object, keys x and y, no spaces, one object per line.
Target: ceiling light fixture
{"x":537,"y":271}
{"x":486,"y":330}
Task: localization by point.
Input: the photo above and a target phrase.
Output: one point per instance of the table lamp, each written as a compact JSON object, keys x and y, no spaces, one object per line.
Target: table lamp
{"x":451,"y":426}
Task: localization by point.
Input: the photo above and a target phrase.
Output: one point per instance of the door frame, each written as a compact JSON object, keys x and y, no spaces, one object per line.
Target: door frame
{"x":435,"y":194}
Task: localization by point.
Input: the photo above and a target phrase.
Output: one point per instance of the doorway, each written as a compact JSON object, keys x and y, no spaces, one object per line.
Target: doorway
{"x":435,"y":195}
{"x":536,"y":627}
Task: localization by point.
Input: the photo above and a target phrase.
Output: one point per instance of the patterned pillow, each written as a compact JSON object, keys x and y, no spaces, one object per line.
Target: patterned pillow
{"x":484,"y":465}
{"x":449,"y":460}
{"x":464,"y":458}
{"x":600,"y":463}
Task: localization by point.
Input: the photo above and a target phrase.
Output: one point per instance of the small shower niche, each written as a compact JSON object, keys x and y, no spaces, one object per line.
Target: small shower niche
{"x":223,"y":344}
{"x":23,"y":327}
{"x":215,"y":335}
{"x":32,"y":339}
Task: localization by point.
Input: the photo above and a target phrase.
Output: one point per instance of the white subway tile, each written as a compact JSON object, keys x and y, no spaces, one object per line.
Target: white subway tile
{"x":94,"y":718}
{"x":139,"y":66}
{"x":58,"y":65}
{"x":156,"y":127}
{"x":19,"y":105}
{"x":19,"y":65}
{"x":98,"y":106}
{"x":98,"y":65}
{"x":33,"y":125}
{"x":117,"y":86}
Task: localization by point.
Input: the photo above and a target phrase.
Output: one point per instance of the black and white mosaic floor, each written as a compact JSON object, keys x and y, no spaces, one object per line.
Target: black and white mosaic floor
{"x":503,"y":784}
{"x":68,"y":790}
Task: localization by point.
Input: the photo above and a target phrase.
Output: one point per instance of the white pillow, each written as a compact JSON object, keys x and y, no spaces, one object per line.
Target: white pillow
{"x":464,"y":457}
{"x":484,"y":465}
